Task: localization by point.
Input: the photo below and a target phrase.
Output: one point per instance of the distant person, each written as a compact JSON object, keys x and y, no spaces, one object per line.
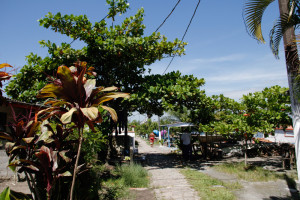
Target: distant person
{"x":186,"y":146}
{"x":152,"y":138}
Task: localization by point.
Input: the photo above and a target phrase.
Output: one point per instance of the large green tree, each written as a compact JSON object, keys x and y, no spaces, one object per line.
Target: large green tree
{"x":283,"y":28}
{"x":257,"y":112}
{"x":119,"y":54}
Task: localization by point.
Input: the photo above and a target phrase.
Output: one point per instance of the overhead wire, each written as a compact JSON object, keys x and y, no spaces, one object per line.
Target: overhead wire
{"x":168,"y":16}
{"x":186,"y":30}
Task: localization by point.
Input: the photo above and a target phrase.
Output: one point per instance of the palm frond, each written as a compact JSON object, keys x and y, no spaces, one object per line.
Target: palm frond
{"x":282,"y":24}
{"x":252,"y":13}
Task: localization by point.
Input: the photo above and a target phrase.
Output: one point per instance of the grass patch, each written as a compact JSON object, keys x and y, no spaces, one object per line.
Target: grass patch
{"x":209,"y":188}
{"x":134,"y":175}
{"x":115,"y":182}
{"x":248,"y":173}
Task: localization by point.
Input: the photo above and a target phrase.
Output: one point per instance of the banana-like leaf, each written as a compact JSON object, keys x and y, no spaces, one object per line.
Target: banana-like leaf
{"x":67,"y":173}
{"x":6,"y":136}
{"x":96,"y":91}
{"x":19,"y":128}
{"x":46,"y":137}
{"x":109,"y":89}
{"x":68,"y":82}
{"x":44,"y":158}
{"x":67,"y":117}
{"x":4,"y":75}
{"x":33,"y":128}
{"x":9,"y":146}
{"x":28,"y":140}
{"x":31,"y":167}
{"x":53,"y":113}
{"x":89,"y":86}
{"x":100,"y":101}
{"x":17,"y":147}
{"x":118,"y":95}
{"x":52,"y":90}
{"x":4,"y":65}
{"x":91,"y":113}
{"x":47,"y":110}
{"x":80,"y":86}
{"x":112,"y":112}
{"x":109,"y":96}
{"x":54,"y":160}
{"x":64,"y":156}
{"x":57,"y":103}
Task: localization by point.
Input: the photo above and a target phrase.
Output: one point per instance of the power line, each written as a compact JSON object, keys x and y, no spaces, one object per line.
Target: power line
{"x":168,"y":16}
{"x":186,"y":30}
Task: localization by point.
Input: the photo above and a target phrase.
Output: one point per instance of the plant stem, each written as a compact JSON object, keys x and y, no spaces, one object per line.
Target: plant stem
{"x":29,"y":185}
{"x":34,"y":186}
{"x":76,"y":162}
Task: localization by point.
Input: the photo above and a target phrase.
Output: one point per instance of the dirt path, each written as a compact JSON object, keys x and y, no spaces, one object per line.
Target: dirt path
{"x":8,"y":178}
{"x":255,"y":190}
{"x":166,"y":180}
{"x":168,"y":183}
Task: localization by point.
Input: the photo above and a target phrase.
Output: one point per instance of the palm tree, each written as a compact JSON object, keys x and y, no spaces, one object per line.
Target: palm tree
{"x":284,"y":28}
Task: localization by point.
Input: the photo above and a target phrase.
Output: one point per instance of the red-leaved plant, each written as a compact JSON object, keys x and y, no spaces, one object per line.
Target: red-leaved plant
{"x":75,"y":98}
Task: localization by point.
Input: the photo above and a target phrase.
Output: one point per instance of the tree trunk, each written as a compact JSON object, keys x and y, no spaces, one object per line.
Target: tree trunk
{"x":76,"y":162}
{"x":290,"y":48}
{"x":246,"y":153}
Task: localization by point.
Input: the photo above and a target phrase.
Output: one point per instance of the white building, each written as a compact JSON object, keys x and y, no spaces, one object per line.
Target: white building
{"x":280,"y":136}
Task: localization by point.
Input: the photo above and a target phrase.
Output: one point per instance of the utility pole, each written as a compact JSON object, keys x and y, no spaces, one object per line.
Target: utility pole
{"x":292,"y":66}
{"x":159,"y":135}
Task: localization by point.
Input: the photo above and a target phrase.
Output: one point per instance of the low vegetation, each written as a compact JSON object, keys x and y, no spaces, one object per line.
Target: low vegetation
{"x":208,"y":187}
{"x":248,"y":173}
{"x":134,"y":175}
{"x":117,"y":181}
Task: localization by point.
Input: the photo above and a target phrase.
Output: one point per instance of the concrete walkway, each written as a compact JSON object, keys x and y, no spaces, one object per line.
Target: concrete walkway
{"x":166,"y":180}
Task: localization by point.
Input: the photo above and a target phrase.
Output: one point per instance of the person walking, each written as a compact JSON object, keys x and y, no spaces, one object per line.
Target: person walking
{"x":186,"y":146}
{"x":152,"y":138}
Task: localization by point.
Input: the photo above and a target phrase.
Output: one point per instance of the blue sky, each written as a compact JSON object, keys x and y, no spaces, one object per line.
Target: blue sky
{"x":219,"y":48}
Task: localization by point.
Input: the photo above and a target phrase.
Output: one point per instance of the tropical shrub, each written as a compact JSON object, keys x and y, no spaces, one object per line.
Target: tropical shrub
{"x":48,"y":158}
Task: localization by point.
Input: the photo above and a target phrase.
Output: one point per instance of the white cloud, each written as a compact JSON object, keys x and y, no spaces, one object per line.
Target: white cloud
{"x":247,"y":76}
{"x":227,"y":58}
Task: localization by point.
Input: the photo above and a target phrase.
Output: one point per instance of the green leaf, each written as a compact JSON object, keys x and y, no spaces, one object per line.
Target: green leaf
{"x":67,"y":117}
{"x":5,"y":194}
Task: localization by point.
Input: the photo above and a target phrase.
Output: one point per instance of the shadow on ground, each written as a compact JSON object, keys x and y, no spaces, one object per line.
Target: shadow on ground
{"x":158,"y":160}
{"x":176,"y":161}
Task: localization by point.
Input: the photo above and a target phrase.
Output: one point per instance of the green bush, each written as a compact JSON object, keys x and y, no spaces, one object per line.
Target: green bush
{"x":111,"y":189}
{"x":94,"y":142}
{"x":134,"y":175}
{"x":116,"y":181}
